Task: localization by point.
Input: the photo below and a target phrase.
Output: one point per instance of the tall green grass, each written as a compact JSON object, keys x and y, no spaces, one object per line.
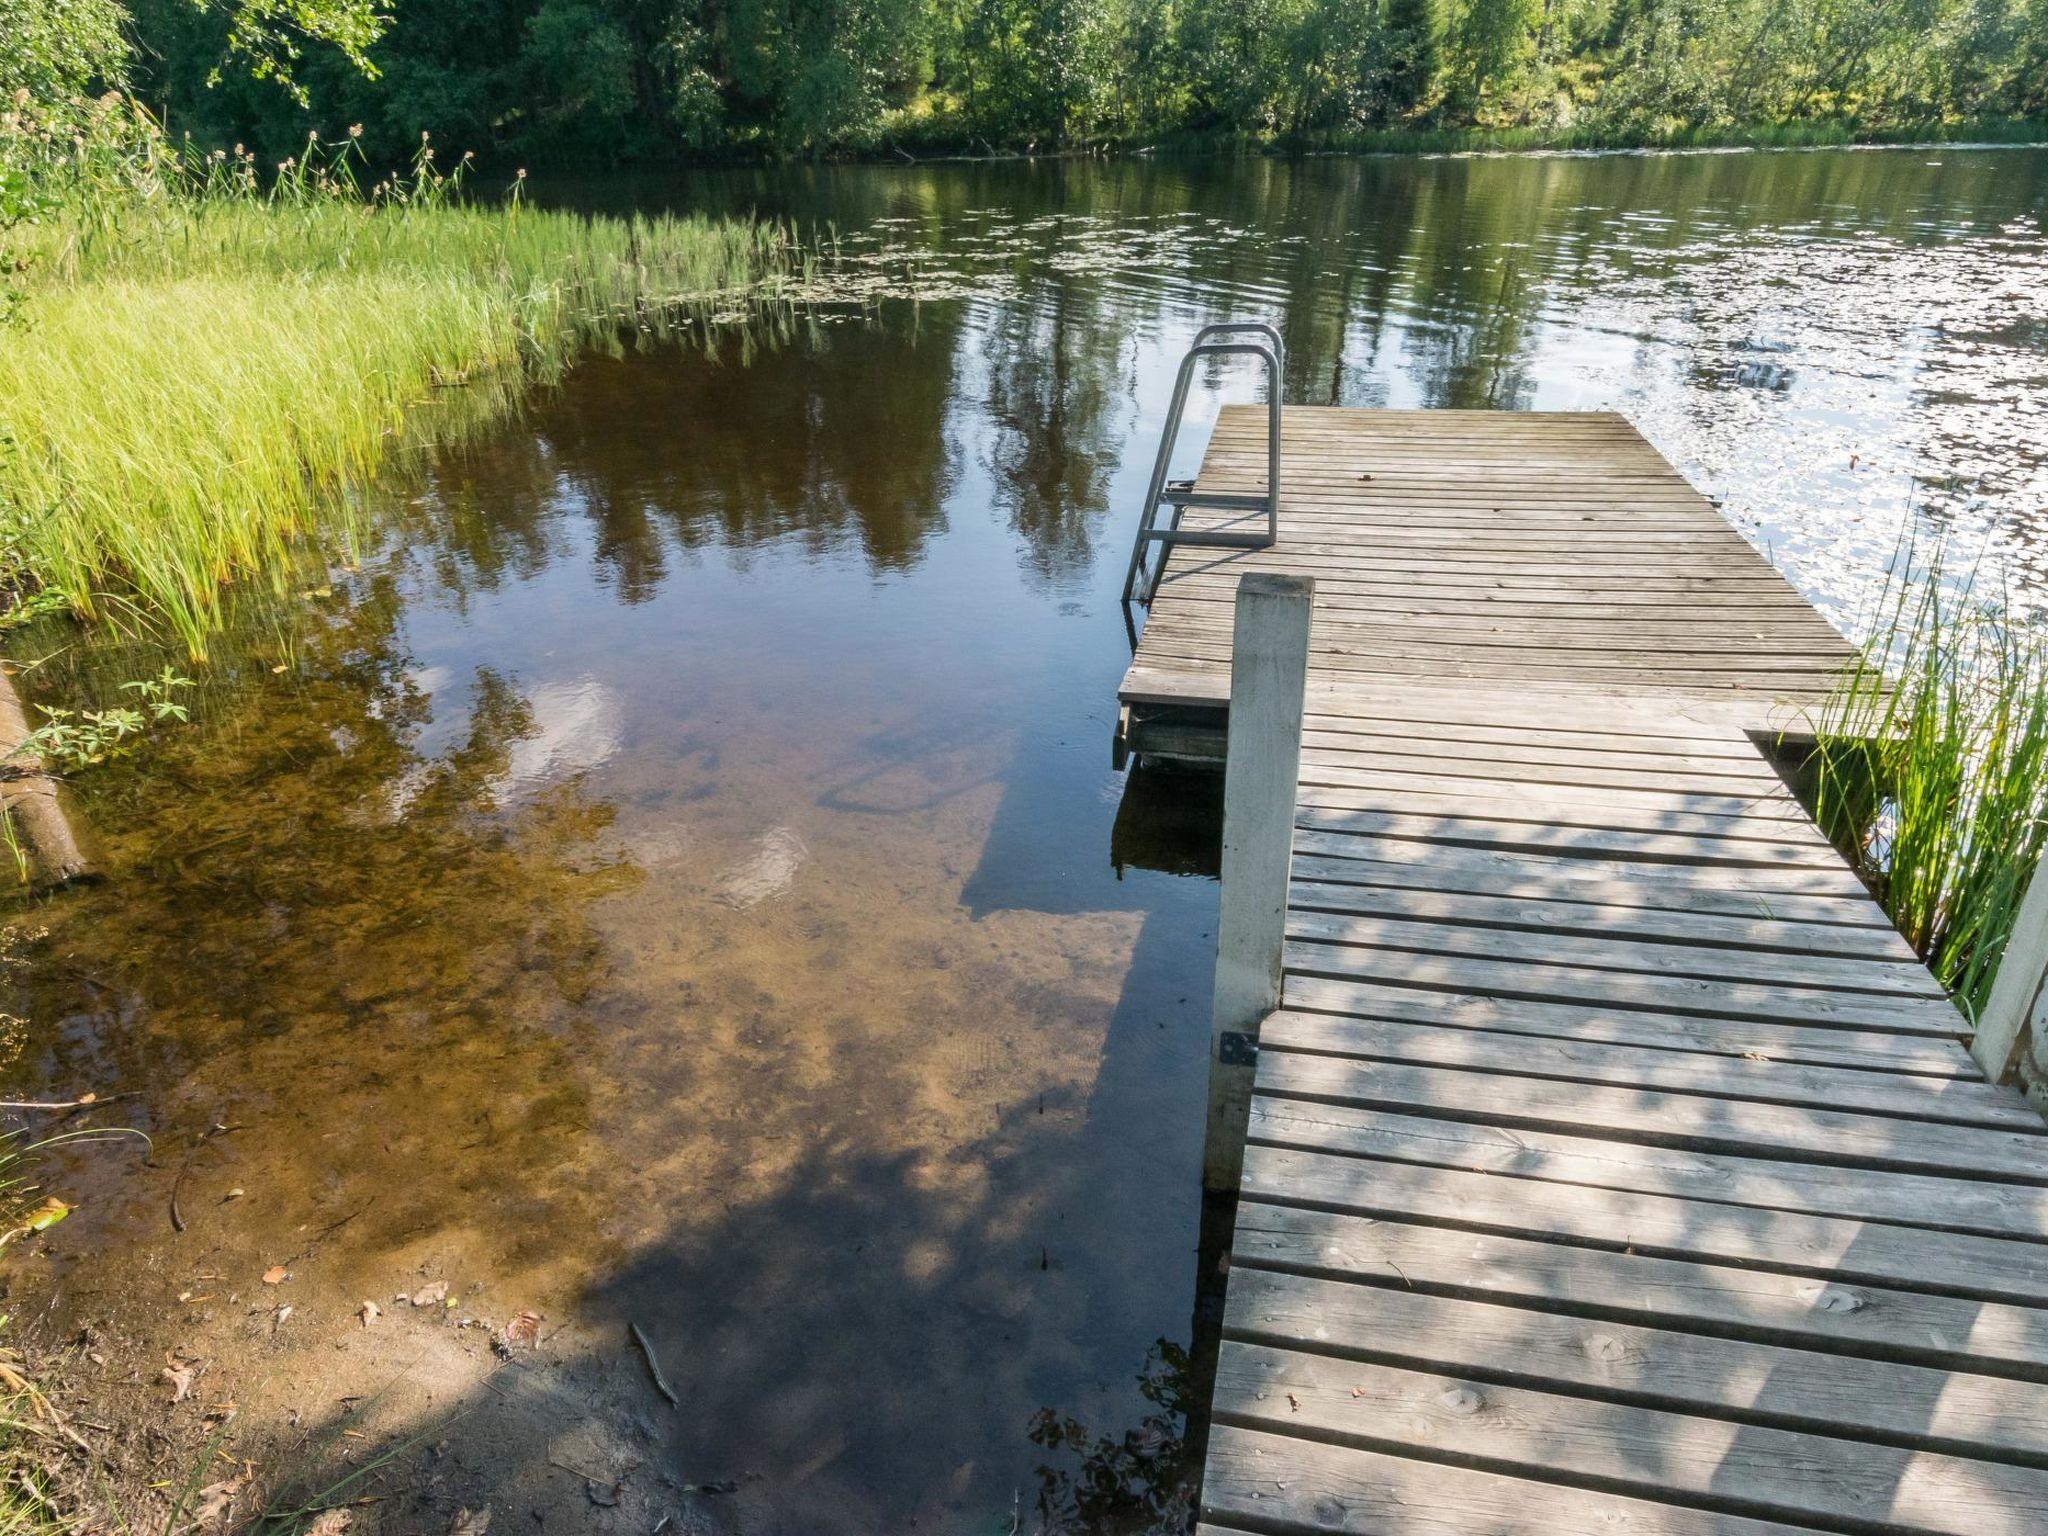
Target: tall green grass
{"x":1931,"y":766}
{"x":203,"y":363}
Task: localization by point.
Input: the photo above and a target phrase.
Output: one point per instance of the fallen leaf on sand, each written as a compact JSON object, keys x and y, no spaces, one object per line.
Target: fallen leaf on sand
{"x":330,"y":1522}
{"x":431,"y":1295}
{"x":215,"y":1503}
{"x":275,"y":1275}
{"x":470,"y":1522}
{"x":524,"y":1329}
{"x":369,"y":1312}
{"x":180,"y":1378}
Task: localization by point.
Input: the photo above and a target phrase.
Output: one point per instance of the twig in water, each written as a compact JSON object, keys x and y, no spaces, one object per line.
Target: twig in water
{"x":48,"y":1104}
{"x":654,"y":1367}
{"x":336,"y":1226}
{"x":218,"y":1129}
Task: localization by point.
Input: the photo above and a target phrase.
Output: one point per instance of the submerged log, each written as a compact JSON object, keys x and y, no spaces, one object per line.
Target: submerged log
{"x":30,"y":797}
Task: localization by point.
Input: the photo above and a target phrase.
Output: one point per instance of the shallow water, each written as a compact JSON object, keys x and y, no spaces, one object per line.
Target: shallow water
{"x":675,"y":876}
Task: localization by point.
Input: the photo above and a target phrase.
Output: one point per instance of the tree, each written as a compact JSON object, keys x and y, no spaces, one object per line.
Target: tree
{"x":2029,"y":89}
{"x":578,"y":81}
{"x":1671,"y":65}
{"x":57,"y":49}
{"x":268,"y":37}
{"x":1406,"y":59}
{"x":1493,"y":41}
{"x":579,"y":66}
{"x":61,"y":48}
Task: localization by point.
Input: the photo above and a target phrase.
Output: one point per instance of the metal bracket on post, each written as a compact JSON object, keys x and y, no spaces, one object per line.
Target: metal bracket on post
{"x":2019,"y":993}
{"x":1261,"y":772}
{"x":1177,"y":496}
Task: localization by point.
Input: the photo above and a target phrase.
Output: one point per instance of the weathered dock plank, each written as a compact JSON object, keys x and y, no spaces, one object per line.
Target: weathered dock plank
{"x":1611,"y":1163}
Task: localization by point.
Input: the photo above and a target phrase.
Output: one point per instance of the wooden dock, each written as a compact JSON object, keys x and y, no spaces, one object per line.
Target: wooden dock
{"x":1609,"y":1163}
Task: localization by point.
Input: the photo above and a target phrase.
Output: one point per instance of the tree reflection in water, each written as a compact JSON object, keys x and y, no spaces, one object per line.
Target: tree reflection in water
{"x":1140,"y":1483}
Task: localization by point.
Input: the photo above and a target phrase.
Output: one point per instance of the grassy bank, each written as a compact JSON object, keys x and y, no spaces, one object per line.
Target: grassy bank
{"x":1932,"y":768}
{"x":200,"y":364}
{"x":1793,"y":135}
{"x":928,"y":136}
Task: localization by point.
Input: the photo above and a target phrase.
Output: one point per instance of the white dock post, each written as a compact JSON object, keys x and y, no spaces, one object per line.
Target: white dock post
{"x":2019,"y":993}
{"x":1262,"y":767}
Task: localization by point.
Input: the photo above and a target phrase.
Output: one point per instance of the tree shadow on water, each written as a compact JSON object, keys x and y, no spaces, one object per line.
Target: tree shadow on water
{"x":855,"y":1354}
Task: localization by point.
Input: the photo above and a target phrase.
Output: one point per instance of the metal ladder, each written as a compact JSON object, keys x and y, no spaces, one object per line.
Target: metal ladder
{"x":1178,"y":495}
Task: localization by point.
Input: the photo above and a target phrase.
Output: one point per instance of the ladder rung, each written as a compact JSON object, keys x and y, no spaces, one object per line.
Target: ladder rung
{"x":1239,"y":501}
{"x":1214,"y":538}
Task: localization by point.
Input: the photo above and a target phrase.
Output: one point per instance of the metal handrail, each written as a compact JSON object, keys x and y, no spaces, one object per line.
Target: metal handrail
{"x":1236,"y":327}
{"x":1271,"y":350}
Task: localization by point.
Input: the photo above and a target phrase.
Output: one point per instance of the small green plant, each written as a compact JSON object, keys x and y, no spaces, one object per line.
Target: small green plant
{"x":1931,"y":768}
{"x":158,"y":695}
{"x":27,"y":607}
{"x":79,"y":738}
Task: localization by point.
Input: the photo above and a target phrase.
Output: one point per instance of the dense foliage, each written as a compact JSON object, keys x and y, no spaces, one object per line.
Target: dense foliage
{"x":605,"y":80}
{"x":53,"y":48}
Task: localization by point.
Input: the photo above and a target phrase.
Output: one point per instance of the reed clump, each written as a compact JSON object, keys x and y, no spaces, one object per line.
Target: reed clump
{"x":200,"y":360}
{"x":1931,"y":767}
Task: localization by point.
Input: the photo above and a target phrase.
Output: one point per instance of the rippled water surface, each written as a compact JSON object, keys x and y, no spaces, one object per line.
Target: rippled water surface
{"x":1843,"y":346}
{"x":673,"y":876}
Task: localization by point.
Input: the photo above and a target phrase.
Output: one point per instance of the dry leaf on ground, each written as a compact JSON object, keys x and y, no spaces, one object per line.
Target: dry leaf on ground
{"x":215,"y":1503}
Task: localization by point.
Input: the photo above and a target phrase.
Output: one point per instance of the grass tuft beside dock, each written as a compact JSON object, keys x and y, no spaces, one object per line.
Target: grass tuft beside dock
{"x":1932,"y":770}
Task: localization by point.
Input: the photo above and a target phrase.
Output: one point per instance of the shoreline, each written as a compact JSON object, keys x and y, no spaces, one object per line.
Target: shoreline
{"x":1403,"y":143}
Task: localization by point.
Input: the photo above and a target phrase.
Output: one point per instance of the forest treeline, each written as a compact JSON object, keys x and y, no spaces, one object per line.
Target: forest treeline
{"x":604,"y":81}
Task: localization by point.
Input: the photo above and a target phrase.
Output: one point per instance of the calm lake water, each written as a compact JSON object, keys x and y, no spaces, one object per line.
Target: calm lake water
{"x":674,"y":877}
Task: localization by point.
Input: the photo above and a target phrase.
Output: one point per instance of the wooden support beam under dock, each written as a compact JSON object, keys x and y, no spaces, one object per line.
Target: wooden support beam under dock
{"x":1609,"y":1162}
